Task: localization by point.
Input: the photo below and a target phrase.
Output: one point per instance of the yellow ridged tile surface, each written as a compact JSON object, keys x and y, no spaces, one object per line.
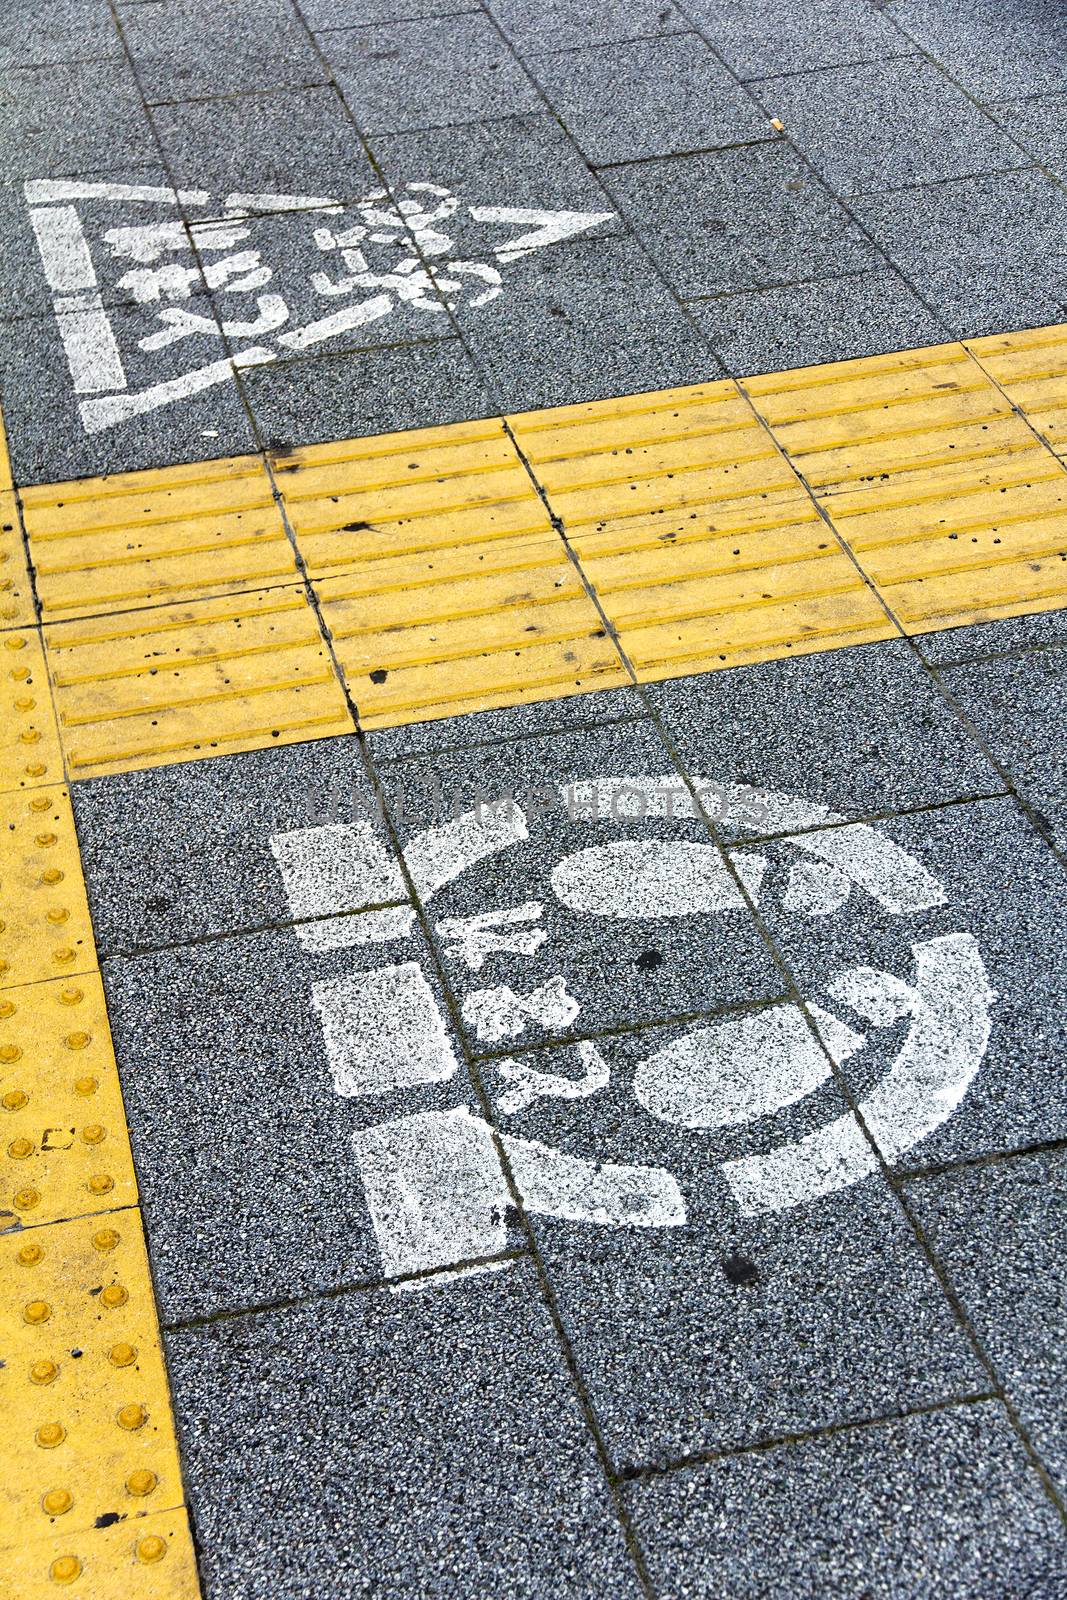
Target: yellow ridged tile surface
{"x":230,"y":605}
{"x":176,"y":533}
{"x":1031,"y":368}
{"x":142,"y":687}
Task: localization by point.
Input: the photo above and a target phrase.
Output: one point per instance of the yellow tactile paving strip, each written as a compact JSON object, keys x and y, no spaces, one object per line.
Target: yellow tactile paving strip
{"x":191,"y":532}
{"x":136,"y":688}
{"x":91,"y":1500}
{"x":1031,"y":368}
{"x":231,"y":605}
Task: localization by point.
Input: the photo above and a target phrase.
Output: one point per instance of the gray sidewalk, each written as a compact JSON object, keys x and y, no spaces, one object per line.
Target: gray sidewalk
{"x":914,"y":194}
{"x":855,"y":1393}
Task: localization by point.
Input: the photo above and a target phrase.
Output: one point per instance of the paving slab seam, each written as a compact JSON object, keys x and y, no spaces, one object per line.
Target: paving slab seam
{"x":643,"y":1471}
{"x":965,"y":1320}
{"x":934,"y":61}
{"x":992,"y":1158}
{"x":797,"y":997}
{"x":398,"y":1283}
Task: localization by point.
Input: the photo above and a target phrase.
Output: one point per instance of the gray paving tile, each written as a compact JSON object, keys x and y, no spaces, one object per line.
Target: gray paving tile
{"x":972,"y":1050}
{"x":584,"y":321}
{"x":519,"y":163}
{"x":991,"y":638}
{"x":574,"y":24}
{"x":886,"y":124}
{"x":429,"y":72}
{"x":365,"y":392}
{"x":860,"y":731}
{"x":1019,"y":706}
{"x":514,"y":722}
{"x":410,"y":1481}
{"x":183,"y":52}
{"x":708,"y":952}
{"x":647,"y":97}
{"x":1040,"y":126}
{"x":998,"y":1232}
{"x":773,"y":330}
{"x":934,"y":1506}
{"x":43,"y":32}
{"x":766,"y":37}
{"x":72,"y":117}
{"x":326,"y":15}
{"x":236,"y":1105}
{"x":298,"y":141}
{"x":182,"y":852}
{"x":983,"y":251}
{"x":991,"y":62}
{"x":47,"y":436}
{"x":695,"y":214}
{"x":844,"y":1318}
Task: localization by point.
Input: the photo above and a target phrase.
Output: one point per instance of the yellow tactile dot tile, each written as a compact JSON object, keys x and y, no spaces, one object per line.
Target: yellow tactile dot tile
{"x":691,"y":447}
{"x":64,"y":1149}
{"x":856,"y":424}
{"x":88,"y":1434}
{"x":45,"y":930}
{"x":29,"y":744}
{"x":178,"y":682}
{"x":459,"y":630}
{"x":1031,"y":368}
{"x":712,"y":588}
{"x":177,"y":533}
{"x":16,"y":591}
{"x":152,"y":1559}
{"x":406,"y":493}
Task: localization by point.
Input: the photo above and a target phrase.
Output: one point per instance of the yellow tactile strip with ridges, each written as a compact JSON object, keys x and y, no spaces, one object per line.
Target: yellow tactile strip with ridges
{"x":136,"y":688}
{"x":231,"y":605}
{"x":91,"y":1499}
{"x":1031,"y":368}
{"x":949,"y":502}
{"x":181,"y":533}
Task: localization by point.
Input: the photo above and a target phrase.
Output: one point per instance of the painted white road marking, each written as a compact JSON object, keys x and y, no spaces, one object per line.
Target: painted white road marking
{"x":395,"y":255}
{"x":741,"y":1068}
{"x":547,"y":227}
{"x":649,"y":878}
{"x":383,"y":1030}
{"x":336,"y":867}
{"x":950,"y":1028}
{"x":500,"y":1013}
{"x":526,"y":1084}
{"x":437,"y":1193}
{"x":473,"y":940}
{"x":433,"y":1179}
{"x":439,"y":855}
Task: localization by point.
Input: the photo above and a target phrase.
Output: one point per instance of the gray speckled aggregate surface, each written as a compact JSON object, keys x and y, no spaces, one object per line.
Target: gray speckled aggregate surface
{"x":664,"y":1384}
{"x":716,"y":1331}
